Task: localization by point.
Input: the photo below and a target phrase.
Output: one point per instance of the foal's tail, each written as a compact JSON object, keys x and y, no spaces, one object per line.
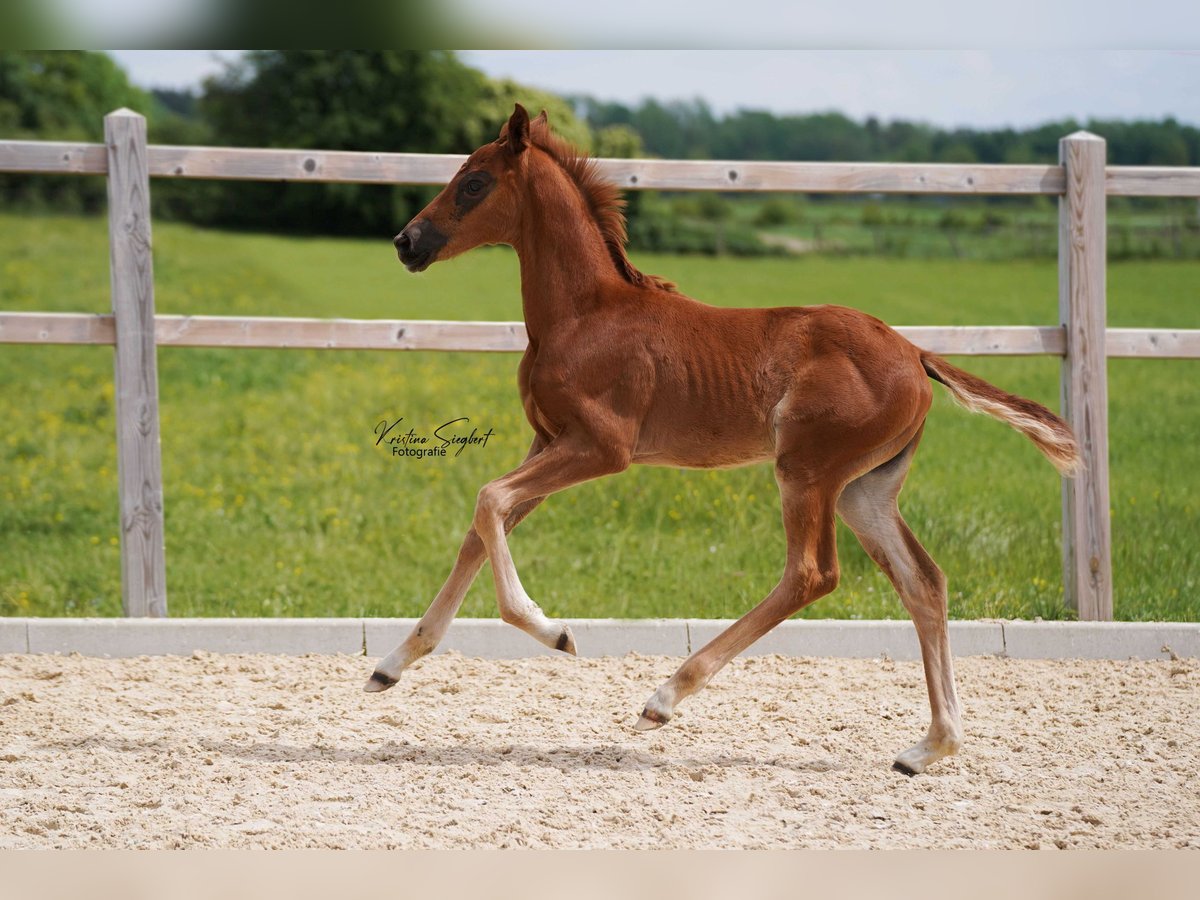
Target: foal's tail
{"x":1048,"y":432}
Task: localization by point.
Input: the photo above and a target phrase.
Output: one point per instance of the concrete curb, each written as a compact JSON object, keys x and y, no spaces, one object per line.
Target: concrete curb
{"x":180,"y":637}
{"x":14,"y":637}
{"x":1101,"y":640}
{"x":596,"y":637}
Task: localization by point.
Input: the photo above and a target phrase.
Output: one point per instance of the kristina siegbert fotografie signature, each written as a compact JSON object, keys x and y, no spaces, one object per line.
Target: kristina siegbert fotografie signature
{"x":437,"y":443}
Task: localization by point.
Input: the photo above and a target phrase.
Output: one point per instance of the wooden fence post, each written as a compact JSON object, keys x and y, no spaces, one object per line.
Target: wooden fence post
{"x":1086,"y":537}
{"x":139,"y":456}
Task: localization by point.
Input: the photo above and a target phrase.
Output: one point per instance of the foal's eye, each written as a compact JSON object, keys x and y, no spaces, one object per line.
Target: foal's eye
{"x":474,"y":186}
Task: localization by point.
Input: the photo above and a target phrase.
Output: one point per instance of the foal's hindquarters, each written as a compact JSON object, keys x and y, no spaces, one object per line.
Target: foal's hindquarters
{"x":845,"y":428}
{"x":868,"y":506}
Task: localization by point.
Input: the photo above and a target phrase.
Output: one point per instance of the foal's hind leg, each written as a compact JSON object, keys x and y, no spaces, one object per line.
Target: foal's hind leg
{"x":868,"y":506}
{"x":811,"y":572}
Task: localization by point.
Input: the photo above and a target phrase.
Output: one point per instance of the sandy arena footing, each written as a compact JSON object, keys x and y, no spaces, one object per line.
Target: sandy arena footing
{"x":779,"y":752}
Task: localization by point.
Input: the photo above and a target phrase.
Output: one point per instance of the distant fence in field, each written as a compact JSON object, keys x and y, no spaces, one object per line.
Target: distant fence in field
{"x":1020,"y":237}
{"x":1081,"y":181}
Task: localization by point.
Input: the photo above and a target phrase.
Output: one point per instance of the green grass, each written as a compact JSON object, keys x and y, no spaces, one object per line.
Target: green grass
{"x":278,"y":502}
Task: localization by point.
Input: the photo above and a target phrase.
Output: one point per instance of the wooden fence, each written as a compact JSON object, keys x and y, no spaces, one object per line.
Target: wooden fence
{"x":1081,"y":181}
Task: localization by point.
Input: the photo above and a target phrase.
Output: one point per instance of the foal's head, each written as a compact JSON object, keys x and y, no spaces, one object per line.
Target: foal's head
{"x":482,"y":203}
{"x":478,"y":206}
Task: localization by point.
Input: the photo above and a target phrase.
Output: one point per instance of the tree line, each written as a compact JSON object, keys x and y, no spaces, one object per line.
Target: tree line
{"x":691,"y":130}
{"x":389,"y":100}
{"x":430,"y":101}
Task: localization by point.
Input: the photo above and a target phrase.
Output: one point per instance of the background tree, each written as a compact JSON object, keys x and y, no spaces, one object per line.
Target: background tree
{"x":60,"y":95}
{"x":392,"y":100}
{"x":617,"y":142}
{"x":495,"y":105}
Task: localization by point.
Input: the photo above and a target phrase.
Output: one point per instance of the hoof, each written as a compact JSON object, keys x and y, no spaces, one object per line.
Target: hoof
{"x":650,"y":720}
{"x":916,"y":760}
{"x":566,"y":642}
{"x":378,"y":682}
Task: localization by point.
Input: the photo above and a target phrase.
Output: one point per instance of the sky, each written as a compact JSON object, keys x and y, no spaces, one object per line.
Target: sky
{"x":975,"y":88}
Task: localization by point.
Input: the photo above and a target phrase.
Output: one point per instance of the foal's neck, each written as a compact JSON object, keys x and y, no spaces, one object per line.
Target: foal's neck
{"x":564,"y":261}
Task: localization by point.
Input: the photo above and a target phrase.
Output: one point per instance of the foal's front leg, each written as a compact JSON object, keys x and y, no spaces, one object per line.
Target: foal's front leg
{"x":429,"y":632}
{"x":432,"y":627}
{"x":565,"y":462}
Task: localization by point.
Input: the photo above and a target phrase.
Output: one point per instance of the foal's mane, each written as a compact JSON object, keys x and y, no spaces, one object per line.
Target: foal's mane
{"x":604,"y":202}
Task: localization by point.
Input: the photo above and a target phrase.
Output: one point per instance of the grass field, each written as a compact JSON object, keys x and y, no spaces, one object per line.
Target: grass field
{"x":278,"y":502}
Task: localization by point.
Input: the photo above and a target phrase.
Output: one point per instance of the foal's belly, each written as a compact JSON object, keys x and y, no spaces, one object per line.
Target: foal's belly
{"x":704,"y":445}
{"x":713,"y":460}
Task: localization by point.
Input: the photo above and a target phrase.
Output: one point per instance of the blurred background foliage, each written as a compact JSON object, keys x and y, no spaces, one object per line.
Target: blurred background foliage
{"x":430,"y":101}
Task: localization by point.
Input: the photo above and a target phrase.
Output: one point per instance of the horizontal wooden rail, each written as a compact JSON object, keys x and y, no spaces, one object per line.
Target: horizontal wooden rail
{"x":1151,"y":181}
{"x":1158,"y":343}
{"x":53,"y":157}
{"x":239,"y":163}
{"x":839,"y":178}
{"x":303,"y":165}
{"x":388,"y":334}
{"x":637,"y":174}
{"x":270,"y":332}
{"x":987,"y":340}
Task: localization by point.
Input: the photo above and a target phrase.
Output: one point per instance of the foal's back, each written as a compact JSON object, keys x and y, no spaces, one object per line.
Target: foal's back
{"x":713,"y":385}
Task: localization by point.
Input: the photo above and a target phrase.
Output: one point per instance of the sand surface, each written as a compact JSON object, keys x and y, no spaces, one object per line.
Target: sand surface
{"x":272,"y":751}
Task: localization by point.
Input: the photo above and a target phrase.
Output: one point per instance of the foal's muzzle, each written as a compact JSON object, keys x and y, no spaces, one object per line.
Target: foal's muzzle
{"x":417,"y":245}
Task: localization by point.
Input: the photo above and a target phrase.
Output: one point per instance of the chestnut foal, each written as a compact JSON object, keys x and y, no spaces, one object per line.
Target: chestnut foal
{"x":622,"y":369}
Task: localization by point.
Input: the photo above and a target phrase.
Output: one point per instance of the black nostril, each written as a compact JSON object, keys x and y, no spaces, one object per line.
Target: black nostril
{"x":402,"y":241}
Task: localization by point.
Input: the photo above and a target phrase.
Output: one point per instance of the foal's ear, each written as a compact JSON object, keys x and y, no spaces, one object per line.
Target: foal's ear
{"x":544,"y":118}
{"x":518,"y":130}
